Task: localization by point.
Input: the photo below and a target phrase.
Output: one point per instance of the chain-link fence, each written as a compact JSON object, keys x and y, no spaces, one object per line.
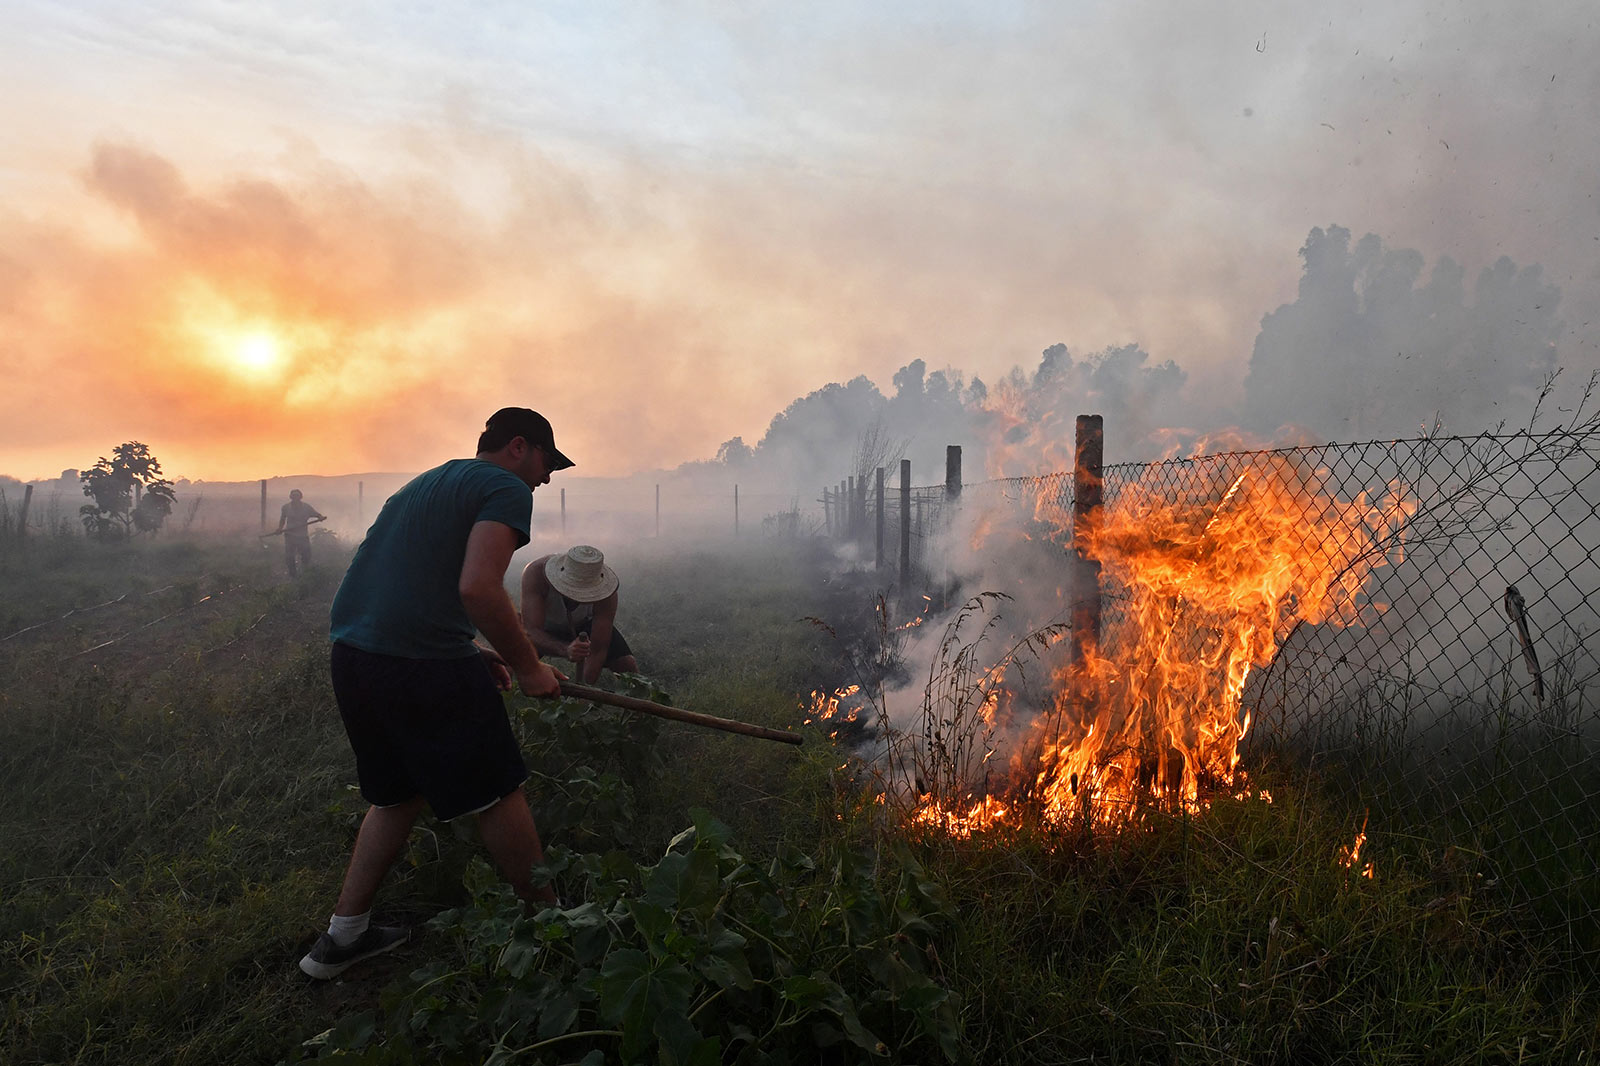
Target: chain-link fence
{"x":1454,"y":698}
{"x":1459,"y":702}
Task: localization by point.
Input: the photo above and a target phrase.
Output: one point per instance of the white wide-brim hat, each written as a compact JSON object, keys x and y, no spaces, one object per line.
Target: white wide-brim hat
{"x":581,"y":574}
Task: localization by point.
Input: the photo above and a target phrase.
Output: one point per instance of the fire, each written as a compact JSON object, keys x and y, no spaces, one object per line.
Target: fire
{"x":1348,"y":857}
{"x":985,"y":814}
{"x":1200,"y":589}
{"x":826,"y":707}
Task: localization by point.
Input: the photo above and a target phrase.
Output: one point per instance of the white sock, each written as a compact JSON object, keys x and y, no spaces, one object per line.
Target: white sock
{"x":345,"y":929}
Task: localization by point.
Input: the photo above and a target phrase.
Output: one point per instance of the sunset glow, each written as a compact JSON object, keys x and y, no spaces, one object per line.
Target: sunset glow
{"x":313,"y":244}
{"x":257,"y":351}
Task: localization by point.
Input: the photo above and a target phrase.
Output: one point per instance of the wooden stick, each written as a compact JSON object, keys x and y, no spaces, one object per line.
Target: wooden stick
{"x":677,"y":714}
{"x":276,"y":532}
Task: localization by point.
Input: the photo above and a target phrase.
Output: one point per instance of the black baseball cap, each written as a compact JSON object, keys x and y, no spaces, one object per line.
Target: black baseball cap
{"x":531,"y":426}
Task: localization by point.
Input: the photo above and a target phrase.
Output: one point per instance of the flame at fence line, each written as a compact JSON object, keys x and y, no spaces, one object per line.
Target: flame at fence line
{"x":1200,"y":588}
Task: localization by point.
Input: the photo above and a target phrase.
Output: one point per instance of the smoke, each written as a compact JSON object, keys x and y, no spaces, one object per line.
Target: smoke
{"x":681,"y":239}
{"x":1367,"y":352}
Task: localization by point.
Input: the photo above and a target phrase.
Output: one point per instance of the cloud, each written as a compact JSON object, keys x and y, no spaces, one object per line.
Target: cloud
{"x":672,"y":226}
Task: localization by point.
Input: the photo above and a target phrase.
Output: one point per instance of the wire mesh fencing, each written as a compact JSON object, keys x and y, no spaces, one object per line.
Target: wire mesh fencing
{"x":1445,"y":681}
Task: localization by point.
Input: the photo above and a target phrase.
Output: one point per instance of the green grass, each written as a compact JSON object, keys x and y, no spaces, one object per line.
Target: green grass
{"x":178,"y":814}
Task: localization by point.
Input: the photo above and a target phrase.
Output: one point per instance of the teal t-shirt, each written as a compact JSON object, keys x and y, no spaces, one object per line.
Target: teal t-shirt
{"x":401,"y":594}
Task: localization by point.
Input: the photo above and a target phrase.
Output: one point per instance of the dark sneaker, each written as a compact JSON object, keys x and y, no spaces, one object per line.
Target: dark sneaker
{"x":327,"y":960}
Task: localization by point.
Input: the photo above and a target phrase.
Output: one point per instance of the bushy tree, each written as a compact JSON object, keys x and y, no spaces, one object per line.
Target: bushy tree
{"x":1373,"y":348}
{"x":111,"y":484}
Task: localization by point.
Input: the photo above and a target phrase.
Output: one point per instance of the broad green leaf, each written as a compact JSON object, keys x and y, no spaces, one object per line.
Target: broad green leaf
{"x":677,"y":1036}
{"x":652,"y":921}
{"x":518,"y":956}
{"x":728,"y":969}
{"x":558,"y":1016}
{"x":712,"y":832}
{"x":661,"y":883}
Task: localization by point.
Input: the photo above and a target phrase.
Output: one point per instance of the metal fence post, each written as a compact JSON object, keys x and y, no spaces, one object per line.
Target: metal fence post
{"x":1087,"y":490}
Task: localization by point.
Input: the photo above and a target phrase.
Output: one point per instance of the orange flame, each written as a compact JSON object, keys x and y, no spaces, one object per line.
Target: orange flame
{"x":1199,"y":593}
{"x":824,"y":705}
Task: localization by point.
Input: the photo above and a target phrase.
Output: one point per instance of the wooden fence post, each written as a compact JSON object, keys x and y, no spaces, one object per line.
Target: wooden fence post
{"x":263,"y":503}
{"x":905,"y":525}
{"x":843,"y":512}
{"x":879,"y":563}
{"x":1087,"y":492}
{"x":22,"y":519}
{"x":952,"y":471}
{"x":855,"y":518}
{"x":861,"y":505}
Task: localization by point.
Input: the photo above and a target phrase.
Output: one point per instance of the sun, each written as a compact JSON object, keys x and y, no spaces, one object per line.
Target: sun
{"x":257,"y":351}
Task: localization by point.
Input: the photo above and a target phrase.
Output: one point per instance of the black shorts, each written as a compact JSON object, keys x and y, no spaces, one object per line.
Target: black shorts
{"x":430,"y":727}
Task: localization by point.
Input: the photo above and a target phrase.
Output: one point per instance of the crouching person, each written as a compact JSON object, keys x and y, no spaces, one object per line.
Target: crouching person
{"x":569,"y":609}
{"x":420,"y":699}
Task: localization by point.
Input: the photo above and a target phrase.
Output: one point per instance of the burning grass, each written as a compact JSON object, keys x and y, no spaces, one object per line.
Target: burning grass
{"x":1145,"y":714}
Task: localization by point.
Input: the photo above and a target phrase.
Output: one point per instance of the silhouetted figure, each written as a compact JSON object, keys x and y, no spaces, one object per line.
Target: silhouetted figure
{"x":569,"y":608}
{"x":294,"y":522}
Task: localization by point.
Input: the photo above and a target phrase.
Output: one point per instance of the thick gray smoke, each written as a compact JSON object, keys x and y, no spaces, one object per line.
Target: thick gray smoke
{"x":1022,"y":424}
{"x":1371,"y":349}
{"x":1376,"y":345}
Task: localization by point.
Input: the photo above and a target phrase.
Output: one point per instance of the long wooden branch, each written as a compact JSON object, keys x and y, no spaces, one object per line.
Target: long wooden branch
{"x":279,"y":532}
{"x":676,"y":714}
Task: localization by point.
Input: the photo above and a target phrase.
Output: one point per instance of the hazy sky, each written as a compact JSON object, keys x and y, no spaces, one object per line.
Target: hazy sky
{"x":317,"y":238}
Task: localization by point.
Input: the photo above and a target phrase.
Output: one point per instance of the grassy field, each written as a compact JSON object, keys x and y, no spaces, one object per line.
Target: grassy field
{"x":179,"y":808}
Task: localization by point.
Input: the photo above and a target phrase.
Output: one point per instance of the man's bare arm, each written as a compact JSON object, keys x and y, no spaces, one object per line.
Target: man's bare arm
{"x":483,"y":594}
{"x":605,"y":617}
{"x":535,"y":588}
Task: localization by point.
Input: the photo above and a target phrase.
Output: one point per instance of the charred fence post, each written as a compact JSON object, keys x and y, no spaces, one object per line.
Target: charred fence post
{"x":905,"y":526}
{"x":263,"y":503}
{"x":952,"y":471}
{"x":1087,"y":491}
{"x":879,"y":562}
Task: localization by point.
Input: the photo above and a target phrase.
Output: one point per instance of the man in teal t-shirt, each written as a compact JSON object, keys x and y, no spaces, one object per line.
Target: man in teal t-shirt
{"x":420,"y":699}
